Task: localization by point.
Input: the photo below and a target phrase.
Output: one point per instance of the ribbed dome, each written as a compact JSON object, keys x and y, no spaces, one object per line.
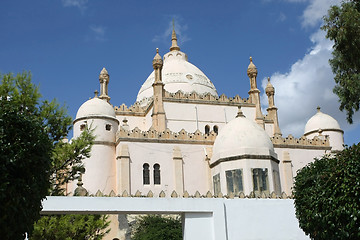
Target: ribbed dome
{"x":242,"y":136}
{"x":178,"y":74}
{"x":95,"y":107}
{"x":321,"y":121}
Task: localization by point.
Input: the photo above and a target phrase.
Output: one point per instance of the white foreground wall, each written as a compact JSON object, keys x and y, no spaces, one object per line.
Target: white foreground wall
{"x":203,"y":218}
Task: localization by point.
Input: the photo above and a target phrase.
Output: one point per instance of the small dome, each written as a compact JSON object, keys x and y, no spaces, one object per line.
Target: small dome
{"x":321,"y":121}
{"x":95,"y":107}
{"x":242,"y":136}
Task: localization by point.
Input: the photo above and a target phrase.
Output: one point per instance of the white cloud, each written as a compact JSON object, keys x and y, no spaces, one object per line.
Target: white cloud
{"x":310,"y":80}
{"x":180,"y":30}
{"x":98,"y":32}
{"x":308,"y":84}
{"x":315,"y":11}
{"x":81,"y":4}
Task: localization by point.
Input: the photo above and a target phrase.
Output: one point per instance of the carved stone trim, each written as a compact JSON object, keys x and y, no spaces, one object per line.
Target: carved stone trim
{"x":104,"y":143}
{"x":134,"y":110}
{"x":326,"y":129}
{"x":95,"y":117}
{"x":245,"y":156}
{"x":302,"y":142}
{"x":205,"y":99}
{"x":167,"y":136}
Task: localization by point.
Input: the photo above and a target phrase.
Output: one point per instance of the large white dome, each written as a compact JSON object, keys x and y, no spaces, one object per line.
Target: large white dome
{"x":321,"y":121}
{"x":95,"y":107}
{"x":242,"y":136}
{"x":178,"y":74}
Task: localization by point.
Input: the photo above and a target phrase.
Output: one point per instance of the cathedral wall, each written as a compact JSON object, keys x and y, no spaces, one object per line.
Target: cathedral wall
{"x":195,"y":174}
{"x":191,"y":116}
{"x":299,"y":158}
{"x":134,"y":121}
{"x":100,"y":169}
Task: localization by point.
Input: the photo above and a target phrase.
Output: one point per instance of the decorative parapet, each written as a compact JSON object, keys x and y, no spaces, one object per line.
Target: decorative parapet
{"x":302,"y":142}
{"x":197,"y":194}
{"x":207,"y":98}
{"x":134,"y":110}
{"x":166,"y":136}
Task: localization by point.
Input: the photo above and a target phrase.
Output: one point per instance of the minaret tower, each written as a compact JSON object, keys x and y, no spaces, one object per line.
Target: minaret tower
{"x":272,"y":110}
{"x":158,"y":115}
{"x":254,"y":93}
{"x":104,"y":81}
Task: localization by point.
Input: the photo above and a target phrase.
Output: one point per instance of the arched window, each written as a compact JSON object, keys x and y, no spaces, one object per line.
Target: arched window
{"x":146,"y":174}
{"x":216,"y":129}
{"x":156,"y":174}
{"x":207,"y":129}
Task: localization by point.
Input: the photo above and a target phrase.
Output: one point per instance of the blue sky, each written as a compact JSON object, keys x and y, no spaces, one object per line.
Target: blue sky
{"x":65,"y":44}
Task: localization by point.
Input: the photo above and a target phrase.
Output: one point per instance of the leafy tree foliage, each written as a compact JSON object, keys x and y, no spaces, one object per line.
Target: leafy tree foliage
{"x":28,"y":131}
{"x":155,"y":227}
{"x":70,"y":227}
{"x":35,"y":162}
{"x":342,"y":25}
{"x":327,"y":194}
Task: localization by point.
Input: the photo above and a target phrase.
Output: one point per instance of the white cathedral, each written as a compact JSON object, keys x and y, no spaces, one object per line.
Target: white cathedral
{"x":180,"y":137}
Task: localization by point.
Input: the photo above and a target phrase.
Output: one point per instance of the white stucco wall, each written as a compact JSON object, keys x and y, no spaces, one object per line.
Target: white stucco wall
{"x":191,"y":117}
{"x":205,"y":218}
{"x":194,"y":165}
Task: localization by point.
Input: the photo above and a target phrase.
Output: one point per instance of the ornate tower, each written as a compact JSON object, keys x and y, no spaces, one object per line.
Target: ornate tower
{"x":254,"y":93}
{"x":158,"y":115}
{"x":272,"y":110}
{"x":104,"y":81}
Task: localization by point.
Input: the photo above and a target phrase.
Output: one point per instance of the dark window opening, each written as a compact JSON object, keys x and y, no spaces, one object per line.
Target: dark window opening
{"x":156,"y":174}
{"x":108,"y":127}
{"x":82,"y":127}
{"x":260,"y":180}
{"x":207,"y":129}
{"x":146,"y":174}
{"x":234,"y":181}
{"x":216,"y":129}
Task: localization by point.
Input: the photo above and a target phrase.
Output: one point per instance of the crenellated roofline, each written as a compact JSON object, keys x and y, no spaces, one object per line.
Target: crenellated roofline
{"x":184,"y":137}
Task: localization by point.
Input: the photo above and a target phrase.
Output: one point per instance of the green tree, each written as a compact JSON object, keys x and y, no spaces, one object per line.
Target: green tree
{"x":342,"y":25}
{"x":35,"y":162}
{"x":327,"y":194}
{"x":155,"y":227}
{"x":70,"y":227}
{"x":27,"y":135}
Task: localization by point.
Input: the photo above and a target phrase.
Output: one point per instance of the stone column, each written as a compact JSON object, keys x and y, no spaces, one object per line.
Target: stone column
{"x":254,"y":93}
{"x":178,"y":171}
{"x":272,"y":110}
{"x":288,"y":174}
{"x":158,"y":115}
{"x":123,"y":170}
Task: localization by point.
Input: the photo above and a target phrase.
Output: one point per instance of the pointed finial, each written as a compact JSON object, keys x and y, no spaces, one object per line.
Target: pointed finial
{"x":174,"y":45}
{"x":318,"y":109}
{"x":269,"y":90}
{"x":104,"y":71}
{"x":252,"y":70}
{"x":157,"y":61}
{"x":96,"y":92}
{"x":240,"y":113}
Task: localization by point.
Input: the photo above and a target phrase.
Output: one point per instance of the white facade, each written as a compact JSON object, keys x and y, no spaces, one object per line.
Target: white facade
{"x":167,"y":141}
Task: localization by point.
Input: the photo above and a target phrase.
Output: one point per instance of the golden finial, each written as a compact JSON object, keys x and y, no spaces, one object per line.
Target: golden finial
{"x":157,"y":61}
{"x":96,"y":92}
{"x":318,"y":109}
{"x":174,"y":45}
{"x":252,"y":70}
